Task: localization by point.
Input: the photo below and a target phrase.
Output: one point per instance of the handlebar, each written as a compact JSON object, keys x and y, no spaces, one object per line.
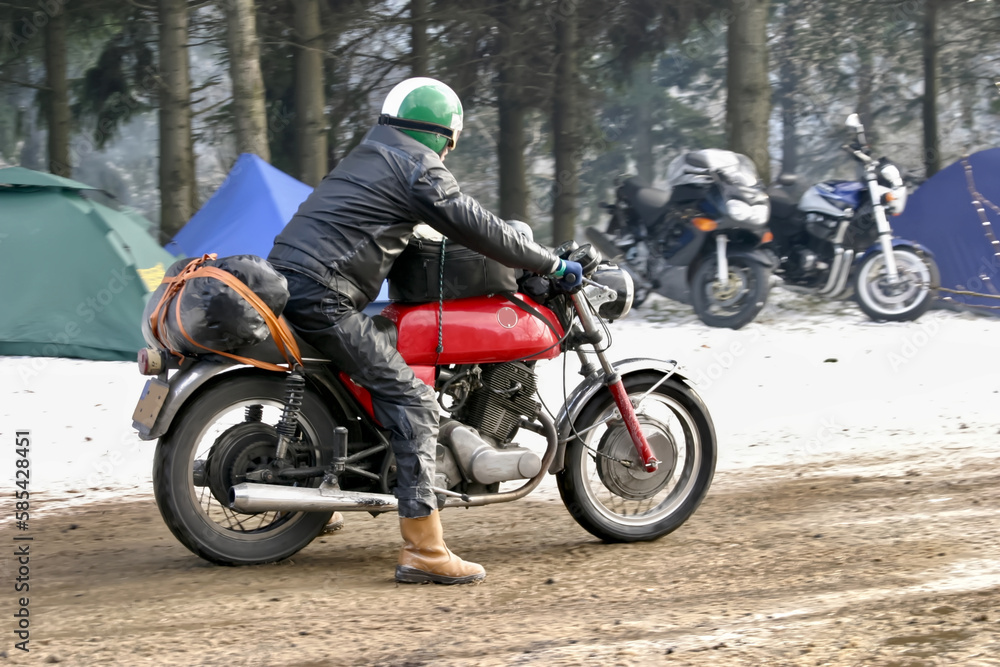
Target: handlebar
{"x":859,"y":154}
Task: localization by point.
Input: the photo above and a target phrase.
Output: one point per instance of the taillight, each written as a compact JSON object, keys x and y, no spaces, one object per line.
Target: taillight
{"x":151,"y":361}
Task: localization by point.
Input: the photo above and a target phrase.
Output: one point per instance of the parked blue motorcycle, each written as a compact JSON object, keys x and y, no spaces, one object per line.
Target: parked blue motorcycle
{"x":838,"y":237}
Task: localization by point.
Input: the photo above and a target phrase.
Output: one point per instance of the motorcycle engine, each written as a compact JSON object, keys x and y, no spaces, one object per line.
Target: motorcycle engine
{"x":505,"y":393}
{"x":822,"y":226}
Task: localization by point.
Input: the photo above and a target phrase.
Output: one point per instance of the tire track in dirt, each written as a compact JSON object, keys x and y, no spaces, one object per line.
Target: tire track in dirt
{"x":873,"y":569}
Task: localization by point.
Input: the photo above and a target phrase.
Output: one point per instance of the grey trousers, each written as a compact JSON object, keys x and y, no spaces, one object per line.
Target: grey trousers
{"x":404,"y":405}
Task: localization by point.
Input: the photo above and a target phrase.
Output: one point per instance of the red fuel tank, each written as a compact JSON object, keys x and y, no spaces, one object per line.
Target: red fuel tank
{"x":485,"y":330}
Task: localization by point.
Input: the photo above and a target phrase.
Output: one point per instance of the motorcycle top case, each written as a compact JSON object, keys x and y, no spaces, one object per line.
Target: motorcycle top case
{"x":212,"y":313}
{"x":415,"y":276}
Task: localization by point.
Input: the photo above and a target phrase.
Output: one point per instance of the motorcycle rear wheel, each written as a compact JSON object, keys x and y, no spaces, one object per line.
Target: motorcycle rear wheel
{"x":735,"y":304}
{"x":905,"y":300}
{"x":215,"y":427}
{"x":619,"y":503}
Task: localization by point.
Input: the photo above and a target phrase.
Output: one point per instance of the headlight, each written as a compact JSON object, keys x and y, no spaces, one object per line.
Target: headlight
{"x":740,"y":211}
{"x":620,"y":281}
{"x":890,"y":173}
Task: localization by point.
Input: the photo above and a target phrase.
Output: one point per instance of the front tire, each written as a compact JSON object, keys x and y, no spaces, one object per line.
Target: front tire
{"x":735,"y":304}
{"x":905,"y":300}
{"x":190,"y":481}
{"x":619,"y":503}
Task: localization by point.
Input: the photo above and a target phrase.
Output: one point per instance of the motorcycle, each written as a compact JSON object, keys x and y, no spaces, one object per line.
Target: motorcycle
{"x":838,"y":237}
{"x":250,"y":464}
{"x":698,"y":243}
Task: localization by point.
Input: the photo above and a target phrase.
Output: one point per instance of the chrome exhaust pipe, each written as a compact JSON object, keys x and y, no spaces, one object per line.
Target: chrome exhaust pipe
{"x":845,"y":274}
{"x":252,"y":498}
{"x":831,"y":281}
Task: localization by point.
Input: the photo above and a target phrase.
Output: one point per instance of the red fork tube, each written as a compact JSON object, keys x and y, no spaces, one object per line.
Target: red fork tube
{"x":617,"y":388}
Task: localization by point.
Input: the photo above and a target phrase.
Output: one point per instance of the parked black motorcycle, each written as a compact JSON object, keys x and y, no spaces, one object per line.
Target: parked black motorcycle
{"x":698,"y":243}
{"x":838,"y":236}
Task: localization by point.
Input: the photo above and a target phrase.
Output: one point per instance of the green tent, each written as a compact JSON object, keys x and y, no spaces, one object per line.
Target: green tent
{"x":75,"y":274}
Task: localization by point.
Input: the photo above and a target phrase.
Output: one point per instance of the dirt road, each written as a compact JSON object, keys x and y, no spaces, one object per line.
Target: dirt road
{"x":779,"y":566}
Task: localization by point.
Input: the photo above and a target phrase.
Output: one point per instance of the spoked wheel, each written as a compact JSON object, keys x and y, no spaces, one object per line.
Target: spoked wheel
{"x":732,"y":304}
{"x":906,"y":298}
{"x":227,"y":432}
{"x":604,"y":485}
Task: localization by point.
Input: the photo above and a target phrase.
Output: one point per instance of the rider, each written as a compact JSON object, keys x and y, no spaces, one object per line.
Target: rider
{"x":337,"y":250}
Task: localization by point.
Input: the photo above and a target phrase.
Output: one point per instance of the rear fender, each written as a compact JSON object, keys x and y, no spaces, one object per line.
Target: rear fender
{"x":589,"y":388}
{"x":187,"y":382}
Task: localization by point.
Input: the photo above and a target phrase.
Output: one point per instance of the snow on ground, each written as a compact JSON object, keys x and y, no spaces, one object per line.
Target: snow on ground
{"x":809,"y":382}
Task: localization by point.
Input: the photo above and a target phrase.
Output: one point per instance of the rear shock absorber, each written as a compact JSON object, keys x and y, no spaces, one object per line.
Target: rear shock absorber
{"x":254,"y":413}
{"x":295,"y":389}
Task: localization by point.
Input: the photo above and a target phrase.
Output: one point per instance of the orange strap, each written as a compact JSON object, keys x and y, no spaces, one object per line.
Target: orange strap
{"x":280,"y":331}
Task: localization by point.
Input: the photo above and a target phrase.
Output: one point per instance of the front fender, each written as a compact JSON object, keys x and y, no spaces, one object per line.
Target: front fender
{"x":896,"y":243}
{"x":763,"y":256}
{"x":587,"y":389}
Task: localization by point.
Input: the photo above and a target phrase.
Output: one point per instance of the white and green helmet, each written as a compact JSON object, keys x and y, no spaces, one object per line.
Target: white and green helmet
{"x":425,"y":109}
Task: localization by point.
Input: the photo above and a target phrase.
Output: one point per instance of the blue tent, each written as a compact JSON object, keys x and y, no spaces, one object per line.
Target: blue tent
{"x":942,"y":216}
{"x":244,"y":215}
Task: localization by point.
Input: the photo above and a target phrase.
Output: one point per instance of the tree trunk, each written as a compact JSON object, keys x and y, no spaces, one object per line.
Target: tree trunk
{"x":510,"y":152}
{"x":932,"y":143}
{"x":788,"y":73}
{"x":789,"y":126}
{"x":418,"y":38}
{"x":643,"y":113}
{"x":866,"y":91}
{"x":57,"y":97}
{"x":310,"y":100}
{"x":748,"y":103}
{"x":511,"y":113}
{"x":178,"y":196}
{"x":248,"y":84}
{"x":564,"y":126}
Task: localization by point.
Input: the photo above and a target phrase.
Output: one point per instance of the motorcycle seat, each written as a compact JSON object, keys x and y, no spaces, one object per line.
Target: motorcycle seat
{"x":648,"y":202}
{"x":268,"y":351}
{"x":783,"y":207}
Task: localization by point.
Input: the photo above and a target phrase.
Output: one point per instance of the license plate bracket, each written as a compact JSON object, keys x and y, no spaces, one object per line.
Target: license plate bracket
{"x":151,"y":401}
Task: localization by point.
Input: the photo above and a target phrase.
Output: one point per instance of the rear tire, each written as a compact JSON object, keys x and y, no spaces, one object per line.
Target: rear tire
{"x":904,"y":301}
{"x":194,"y":514}
{"x":733,"y":305}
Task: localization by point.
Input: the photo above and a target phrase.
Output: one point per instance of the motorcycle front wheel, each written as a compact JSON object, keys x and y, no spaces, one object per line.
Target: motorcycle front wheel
{"x":603,"y":483}
{"x":226,"y":432}
{"x":902,"y":300}
{"x":734,"y":304}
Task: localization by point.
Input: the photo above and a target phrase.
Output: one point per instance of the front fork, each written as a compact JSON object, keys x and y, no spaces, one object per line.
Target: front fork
{"x":884,"y":229}
{"x":721,"y":260}
{"x":613,"y":381}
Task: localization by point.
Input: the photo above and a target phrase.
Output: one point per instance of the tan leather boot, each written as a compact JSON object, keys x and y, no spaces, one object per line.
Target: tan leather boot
{"x":336,"y":523}
{"x":425,"y":557}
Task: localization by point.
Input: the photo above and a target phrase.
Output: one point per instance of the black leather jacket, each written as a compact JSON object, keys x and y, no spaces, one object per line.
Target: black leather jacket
{"x":358,"y":220}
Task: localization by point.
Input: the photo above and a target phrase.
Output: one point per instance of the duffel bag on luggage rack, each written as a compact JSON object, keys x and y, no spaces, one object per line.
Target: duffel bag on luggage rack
{"x":214,"y":306}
